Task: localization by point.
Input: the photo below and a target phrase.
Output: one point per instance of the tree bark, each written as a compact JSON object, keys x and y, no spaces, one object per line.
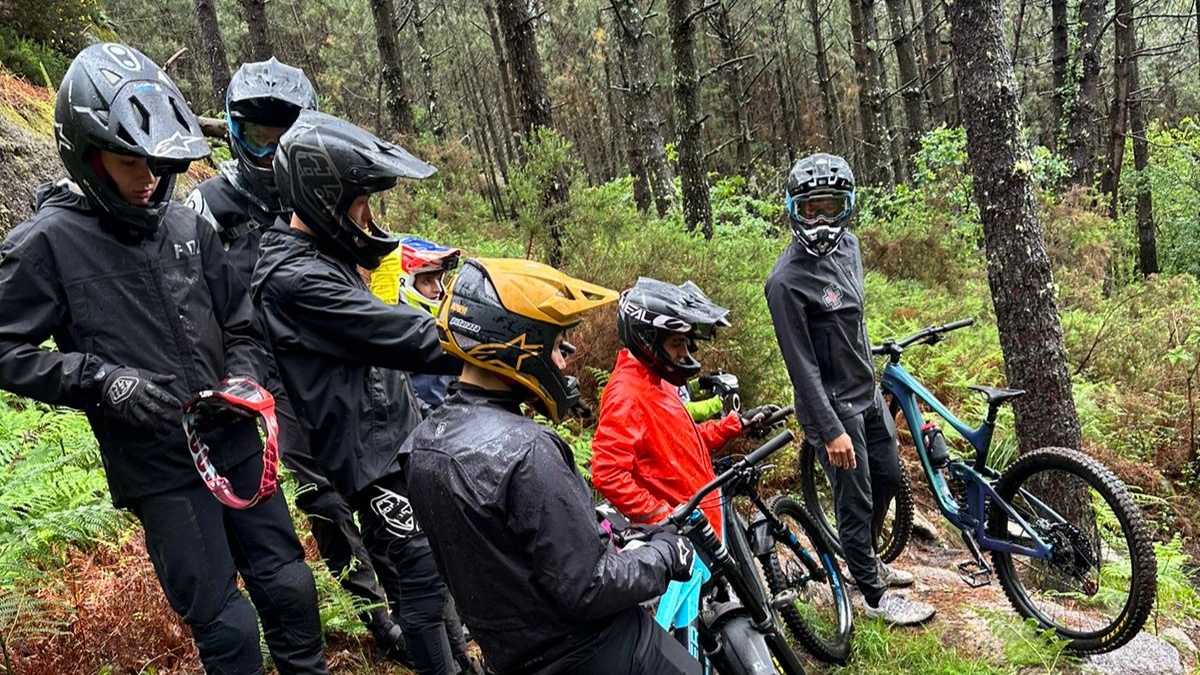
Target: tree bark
{"x":1147,"y":248}
{"x":829,"y":103}
{"x":1059,"y":56}
{"x":693,"y":173}
{"x":533,"y":103}
{"x":434,"y":113}
{"x":1118,"y":114}
{"x":506,"y":85}
{"x":735,"y":82}
{"x":644,"y":126}
{"x":875,"y":141}
{"x":1019,"y":271}
{"x":910,"y":76}
{"x":1079,"y":145}
{"x":214,"y":49}
{"x":258,"y":29}
{"x":934,"y":61}
{"x":394,"y":86}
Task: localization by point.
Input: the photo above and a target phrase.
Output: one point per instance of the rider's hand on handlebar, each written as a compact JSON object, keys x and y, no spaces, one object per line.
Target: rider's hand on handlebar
{"x":752,"y":420}
{"x":677,"y":550}
{"x":841,"y":452}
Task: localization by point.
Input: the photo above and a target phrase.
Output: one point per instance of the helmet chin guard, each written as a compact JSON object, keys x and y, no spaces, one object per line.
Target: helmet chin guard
{"x":242,"y":396}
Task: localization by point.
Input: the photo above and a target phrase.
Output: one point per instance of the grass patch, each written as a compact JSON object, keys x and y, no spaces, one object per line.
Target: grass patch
{"x":880,"y":650}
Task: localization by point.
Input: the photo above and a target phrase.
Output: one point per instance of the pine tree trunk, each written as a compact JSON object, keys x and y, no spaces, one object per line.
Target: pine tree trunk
{"x":875,"y":142}
{"x":1079,"y":145}
{"x":258,"y":29}
{"x":394,"y":85}
{"x":693,"y":173}
{"x":644,"y":126}
{"x":829,"y":102}
{"x":214,"y":49}
{"x":735,"y":87}
{"x":533,"y":103}
{"x":934,"y":61}
{"x":1118,"y":114}
{"x":1147,"y":248}
{"x":436,"y":124}
{"x":506,"y":84}
{"x":910,"y":76}
{"x":1059,"y":57}
{"x":1019,"y":271}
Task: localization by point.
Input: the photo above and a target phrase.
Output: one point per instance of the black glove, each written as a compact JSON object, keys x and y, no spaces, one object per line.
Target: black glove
{"x":676,"y":549}
{"x":210,"y":418}
{"x":138,"y":397}
{"x":752,"y":420}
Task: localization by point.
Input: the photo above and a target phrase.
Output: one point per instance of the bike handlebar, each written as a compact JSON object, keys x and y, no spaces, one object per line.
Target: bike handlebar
{"x":680,"y":516}
{"x":929,"y":334}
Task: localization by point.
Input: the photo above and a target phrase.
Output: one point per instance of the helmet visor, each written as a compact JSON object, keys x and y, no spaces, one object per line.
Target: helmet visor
{"x":821,"y":209}
{"x":260,"y":139}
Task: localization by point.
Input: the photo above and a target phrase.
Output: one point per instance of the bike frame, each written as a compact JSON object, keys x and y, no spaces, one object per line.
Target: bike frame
{"x":977,"y":477}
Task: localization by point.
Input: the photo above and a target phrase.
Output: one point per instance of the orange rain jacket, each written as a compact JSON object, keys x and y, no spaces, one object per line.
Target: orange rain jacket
{"x":648,"y":456}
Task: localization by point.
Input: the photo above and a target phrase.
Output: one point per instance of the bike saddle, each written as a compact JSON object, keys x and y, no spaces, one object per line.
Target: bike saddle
{"x":997,"y":396}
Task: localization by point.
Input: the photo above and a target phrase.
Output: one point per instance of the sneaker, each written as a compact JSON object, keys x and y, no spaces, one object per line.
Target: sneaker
{"x":900,"y":611}
{"x":888,"y":575}
{"x":892,"y":577}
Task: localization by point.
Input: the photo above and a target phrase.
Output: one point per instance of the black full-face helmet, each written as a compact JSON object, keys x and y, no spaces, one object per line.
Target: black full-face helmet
{"x":820,"y":201}
{"x":653,"y":311}
{"x":323,"y":164}
{"x":114,"y":98}
{"x":263,"y":95}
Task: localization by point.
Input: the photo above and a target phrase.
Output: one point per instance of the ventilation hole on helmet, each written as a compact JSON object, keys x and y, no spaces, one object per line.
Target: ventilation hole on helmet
{"x":179,"y":116}
{"x":592,"y":296}
{"x":123,"y":134}
{"x":143,"y":115}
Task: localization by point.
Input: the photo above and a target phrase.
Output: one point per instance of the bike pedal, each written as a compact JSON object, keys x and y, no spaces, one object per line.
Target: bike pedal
{"x":974,"y":575}
{"x":785,"y":598}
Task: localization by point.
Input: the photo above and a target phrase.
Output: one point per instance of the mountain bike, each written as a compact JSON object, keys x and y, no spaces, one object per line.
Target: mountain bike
{"x":1069,"y":544}
{"x":740,"y":632}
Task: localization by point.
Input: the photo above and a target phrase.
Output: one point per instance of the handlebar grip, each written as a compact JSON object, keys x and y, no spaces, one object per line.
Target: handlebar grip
{"x":958,"y":324}
{"x":779,"y":416}
{"x":766,"y":449}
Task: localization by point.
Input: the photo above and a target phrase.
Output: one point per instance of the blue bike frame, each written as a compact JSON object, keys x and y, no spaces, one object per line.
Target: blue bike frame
{"x":978,"y":478}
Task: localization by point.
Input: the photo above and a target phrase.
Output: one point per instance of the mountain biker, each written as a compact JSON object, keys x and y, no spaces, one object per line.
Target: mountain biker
{"x":648,"y":455}
{"x":144,"y":310}
{"x":341,"y":351}
{"x":241,"y":202}
{"x":510,"y":517}
{"x":413,"y":274}
{"x":816,"y":299}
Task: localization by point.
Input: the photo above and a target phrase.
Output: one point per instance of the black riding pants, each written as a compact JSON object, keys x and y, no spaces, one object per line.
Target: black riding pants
{"x":198,"y":547}
{"x":862,"y":495}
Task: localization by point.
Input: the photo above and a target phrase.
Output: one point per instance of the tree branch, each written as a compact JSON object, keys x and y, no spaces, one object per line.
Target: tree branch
{"x":722,"y":66}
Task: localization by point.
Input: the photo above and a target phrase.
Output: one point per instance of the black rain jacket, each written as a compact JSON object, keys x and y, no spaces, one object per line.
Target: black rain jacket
{"x":239,"y":216}
{"x":166,"y":304}
{"x":340,"y":352}
{"x":816,"y":304}
{"x":515,"y":535}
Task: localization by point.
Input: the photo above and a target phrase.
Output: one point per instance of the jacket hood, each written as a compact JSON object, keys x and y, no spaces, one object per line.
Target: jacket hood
{"x":63,"y":194}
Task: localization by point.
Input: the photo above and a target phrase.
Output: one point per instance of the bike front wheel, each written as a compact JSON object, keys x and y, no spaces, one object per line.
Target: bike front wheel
{"x":806,"y":584}
{"x":1097,"y":586}
{"x":892,"y":533}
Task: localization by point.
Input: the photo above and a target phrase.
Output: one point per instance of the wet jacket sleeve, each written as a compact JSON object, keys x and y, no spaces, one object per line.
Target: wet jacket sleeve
{"x":550,"y":508}
{"x":244,"y":351}
{"x":792,"y":332}
{"x":705,"y":409}
{"x":614,"y":458}
{"x":349,"y":322}
{"x":32,"y":306}
{"x":716,"y":433}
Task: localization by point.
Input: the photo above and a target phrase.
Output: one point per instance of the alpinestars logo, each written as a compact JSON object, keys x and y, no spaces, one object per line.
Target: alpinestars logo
{"x":122,"y":389}
{"x":831,"y":296}
{"x":396,"y":513}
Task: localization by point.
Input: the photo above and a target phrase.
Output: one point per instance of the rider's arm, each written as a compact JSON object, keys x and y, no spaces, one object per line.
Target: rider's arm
{"x":792,"y":332}
{"x":245,"y":354}
{"x":614,"y":457}
{"x":716,"y":433}
{"x":347,"y":321}
{"x":705,"y":409}
{"x":550,"y":508}
{"x":32,"y":305}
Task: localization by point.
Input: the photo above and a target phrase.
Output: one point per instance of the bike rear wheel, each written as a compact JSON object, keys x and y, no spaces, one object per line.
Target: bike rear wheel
{"x":806,"y":584}
{"x":891,"y":534}
{"x":1098,"y":587}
